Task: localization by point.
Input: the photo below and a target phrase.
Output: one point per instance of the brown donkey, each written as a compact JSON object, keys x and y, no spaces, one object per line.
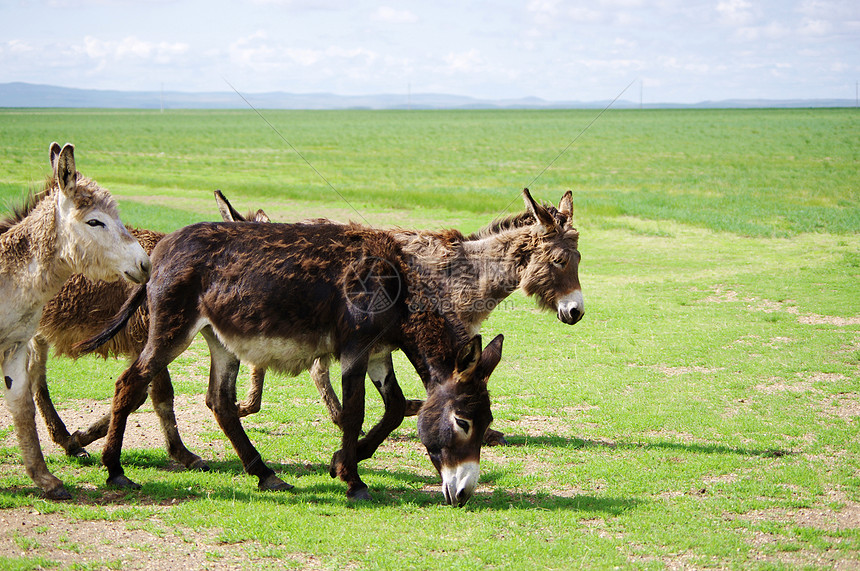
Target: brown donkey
{"x":71,"y":226}
{"x":283,"y":295}
{"x":535,"y":251}
{"x":81,"y":310}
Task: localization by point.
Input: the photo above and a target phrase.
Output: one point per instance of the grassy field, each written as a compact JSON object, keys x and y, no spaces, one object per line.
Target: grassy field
{"x":704,"y":414}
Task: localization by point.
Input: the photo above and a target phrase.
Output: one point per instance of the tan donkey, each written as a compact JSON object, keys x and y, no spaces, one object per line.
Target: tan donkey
{"x":72,"y":226}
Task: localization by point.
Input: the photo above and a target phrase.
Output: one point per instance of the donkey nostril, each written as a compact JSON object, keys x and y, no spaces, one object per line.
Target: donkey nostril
{"x":462,"y":498}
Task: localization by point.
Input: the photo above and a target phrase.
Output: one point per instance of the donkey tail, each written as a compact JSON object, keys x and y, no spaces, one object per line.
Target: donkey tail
{"x":117,"y":322}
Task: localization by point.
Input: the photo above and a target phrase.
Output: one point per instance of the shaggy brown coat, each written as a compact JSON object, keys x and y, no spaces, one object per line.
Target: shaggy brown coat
{"x":278,"y":295}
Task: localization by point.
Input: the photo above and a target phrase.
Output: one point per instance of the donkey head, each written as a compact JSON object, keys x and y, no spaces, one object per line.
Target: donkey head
{"x":452,"y":422}
{"x":553,"y":269}
{"x":93,"y":240}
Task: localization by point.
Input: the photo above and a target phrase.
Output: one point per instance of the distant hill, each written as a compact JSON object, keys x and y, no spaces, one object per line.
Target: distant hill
{"x":32,"y":95}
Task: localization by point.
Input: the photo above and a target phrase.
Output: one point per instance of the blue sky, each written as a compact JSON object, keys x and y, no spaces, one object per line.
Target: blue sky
{"x":682,"y":51}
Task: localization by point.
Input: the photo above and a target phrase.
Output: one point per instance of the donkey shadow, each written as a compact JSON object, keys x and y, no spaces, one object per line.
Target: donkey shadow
{"x":556,"y":441}
{"x":408,"y":488}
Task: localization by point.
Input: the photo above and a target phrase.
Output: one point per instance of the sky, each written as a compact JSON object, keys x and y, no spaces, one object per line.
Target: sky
{"x":671,"y":51}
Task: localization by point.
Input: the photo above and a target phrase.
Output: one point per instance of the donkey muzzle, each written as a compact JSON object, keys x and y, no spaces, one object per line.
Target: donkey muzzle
{"x":141,"y":273}
{"x":571,"y":307}
{"x":459,"y":482}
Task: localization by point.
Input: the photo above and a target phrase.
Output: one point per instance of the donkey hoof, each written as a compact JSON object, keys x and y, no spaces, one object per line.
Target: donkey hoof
{"x":77,"y":451}
{"x":494,"y":438}
{"x":274,"y":484}
{"x":336,"y":463}
{"x":199,"y":465}
{"x":59,"y":494}
{"x":122,"y":481}
{"x":359,"y":495}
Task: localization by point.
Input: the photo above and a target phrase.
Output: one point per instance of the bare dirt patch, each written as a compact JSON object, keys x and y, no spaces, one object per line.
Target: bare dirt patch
{"x":194,"y":420}
{"x":813,"y":319}
{"x":835,"y":514}
{"x":671,"y":371}
{"x":111,"y":544}
{"x":721,"y":295}
{"x":845,"y":406}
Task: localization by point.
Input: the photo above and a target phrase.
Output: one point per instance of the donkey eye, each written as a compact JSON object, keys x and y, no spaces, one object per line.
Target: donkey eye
{"x":559,"y":263}
{"x":464,"y":425}
{"x":95,"y":223}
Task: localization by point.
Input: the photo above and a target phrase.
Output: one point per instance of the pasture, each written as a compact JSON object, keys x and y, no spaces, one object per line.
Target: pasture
{"x":705,"y":413}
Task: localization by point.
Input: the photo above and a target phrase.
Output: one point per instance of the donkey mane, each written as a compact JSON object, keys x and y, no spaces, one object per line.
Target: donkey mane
{"x":514,"y":221}
{"x":18,"y":212}
{"x":92,"y":193}
{"x":502,"y":224}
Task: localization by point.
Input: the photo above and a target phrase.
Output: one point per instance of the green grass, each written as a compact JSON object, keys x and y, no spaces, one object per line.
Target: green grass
{"x":756,"y":173}
{"x":704,"y":414}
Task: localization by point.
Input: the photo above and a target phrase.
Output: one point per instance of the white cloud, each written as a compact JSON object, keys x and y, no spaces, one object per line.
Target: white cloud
{"x":769,"y":31}
{"x":19,"y":47}
{"x":132,"y":48}
{"x":813,"y":28}
{"x":390,"y":15}
{"x":464,"y":62}
{"x":285,"y":62}
{"x":736,"y":12}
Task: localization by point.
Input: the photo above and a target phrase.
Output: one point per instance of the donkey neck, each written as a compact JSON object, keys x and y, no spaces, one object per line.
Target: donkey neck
{"x":32,"y":264}
{"x":430,"y":335}
{"x":494,"y":268}
{"x":468,"y":276}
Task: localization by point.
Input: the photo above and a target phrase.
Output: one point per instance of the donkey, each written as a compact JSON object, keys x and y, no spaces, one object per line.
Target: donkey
{"x":283,"y":295}
{"x":71,"y":226}
{"x":79,"y":311}
{"x":535,"y":251}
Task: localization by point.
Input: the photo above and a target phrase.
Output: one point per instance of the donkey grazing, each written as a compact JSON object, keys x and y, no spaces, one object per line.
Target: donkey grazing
{"x":283,"y":295}
{"x":71,"y":226}
{"x":81,"y":310}
{"x":535,"y":251}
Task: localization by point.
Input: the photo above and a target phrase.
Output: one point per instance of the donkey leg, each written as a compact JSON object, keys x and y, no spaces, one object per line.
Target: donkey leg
{"x":129,"y":393}
{"x":36,"y":365}
{"x":19,"y":399}
{"x":381,"y":372}
{"x":161,"y":393}
{"x":320,"y":374}
{"x":221,"y":399}
{"x":251,"y":404}
{"x":344,"y":462}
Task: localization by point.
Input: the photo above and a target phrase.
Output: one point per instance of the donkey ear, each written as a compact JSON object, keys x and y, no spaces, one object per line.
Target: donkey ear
{"x":566,"y":204}
{"x":540,"y":213}
{"x":228,"y":213}
{"x":55,"y":152}
{"x":491,"y":356}
{"x":67,"y":174}
{"x":261,"y":216}
{"x":468,"y":358}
